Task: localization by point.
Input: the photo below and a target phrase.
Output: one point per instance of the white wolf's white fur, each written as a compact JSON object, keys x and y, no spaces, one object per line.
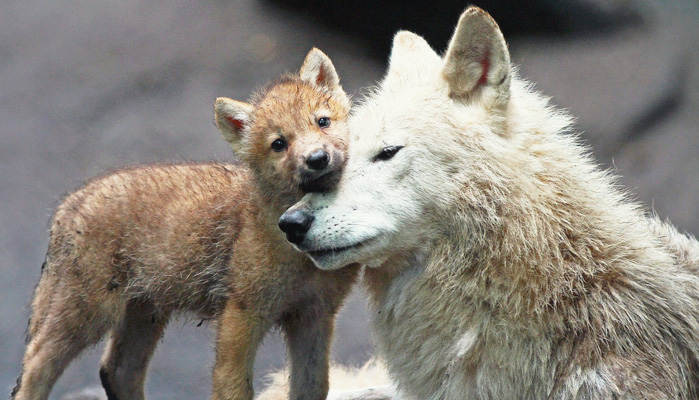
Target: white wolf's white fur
{"x":503,"y":264}
{"x":369,"y":382}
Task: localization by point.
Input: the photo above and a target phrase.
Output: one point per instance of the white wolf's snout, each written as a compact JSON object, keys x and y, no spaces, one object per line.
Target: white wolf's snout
{"x":329,"y":233}
{"x":295,"y":222}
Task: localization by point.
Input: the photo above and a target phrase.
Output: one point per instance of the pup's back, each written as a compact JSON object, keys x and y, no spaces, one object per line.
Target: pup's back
{"x":165,"y":232}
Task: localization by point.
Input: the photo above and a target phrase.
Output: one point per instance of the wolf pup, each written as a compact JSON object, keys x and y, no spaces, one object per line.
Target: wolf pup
{"x":129,"y":250}
{"x":502,"y":263}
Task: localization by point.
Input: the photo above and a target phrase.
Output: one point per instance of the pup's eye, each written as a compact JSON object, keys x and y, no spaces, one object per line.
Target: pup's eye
{"x":323,"y":122}
{"x":279,"y":145}
{"x":387,"y":153}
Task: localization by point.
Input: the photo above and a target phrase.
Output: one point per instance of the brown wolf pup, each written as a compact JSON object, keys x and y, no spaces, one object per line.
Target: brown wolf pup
{"x":129,"y":249}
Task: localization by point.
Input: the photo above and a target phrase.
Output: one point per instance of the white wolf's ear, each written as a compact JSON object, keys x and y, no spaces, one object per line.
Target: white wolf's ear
{"x":477,"y":56}
{"x":232,"y":118}
{"x":319,"y":70}
{"x":410,"y":54}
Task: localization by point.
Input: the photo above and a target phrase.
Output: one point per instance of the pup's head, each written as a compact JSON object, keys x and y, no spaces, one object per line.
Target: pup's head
{"x":294,"y":132}
{"x":417,"y":146}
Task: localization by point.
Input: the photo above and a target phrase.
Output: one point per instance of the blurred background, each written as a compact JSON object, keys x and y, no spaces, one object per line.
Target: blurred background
{"x":88,"y":86}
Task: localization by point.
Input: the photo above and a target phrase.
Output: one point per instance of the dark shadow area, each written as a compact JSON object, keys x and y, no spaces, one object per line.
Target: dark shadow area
{"x":375,"y":22}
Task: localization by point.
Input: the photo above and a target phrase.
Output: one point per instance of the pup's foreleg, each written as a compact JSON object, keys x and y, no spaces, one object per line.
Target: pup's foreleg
{"x":239,"y":335}
{"x":308,"y":342}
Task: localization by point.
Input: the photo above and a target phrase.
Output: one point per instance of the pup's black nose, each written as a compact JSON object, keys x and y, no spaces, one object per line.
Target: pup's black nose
{"x":295,"y":223}
{"x":318,"y":160}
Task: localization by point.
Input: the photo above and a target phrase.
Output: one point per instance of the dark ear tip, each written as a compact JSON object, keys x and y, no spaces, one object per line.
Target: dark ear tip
{"x":479,"y":14}
{"x":474,"y":10}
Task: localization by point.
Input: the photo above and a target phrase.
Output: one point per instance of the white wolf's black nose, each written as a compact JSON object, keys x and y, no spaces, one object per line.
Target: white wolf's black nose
{"x":318,"y":160}
{"x":295,"y":223}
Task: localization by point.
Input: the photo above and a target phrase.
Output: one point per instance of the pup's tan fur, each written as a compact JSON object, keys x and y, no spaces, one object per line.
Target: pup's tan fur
{"x":130,"y":249}
{"x":502,"y":263}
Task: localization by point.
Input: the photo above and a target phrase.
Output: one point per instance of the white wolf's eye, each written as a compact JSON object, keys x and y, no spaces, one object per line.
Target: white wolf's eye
{"x":387,"y":153}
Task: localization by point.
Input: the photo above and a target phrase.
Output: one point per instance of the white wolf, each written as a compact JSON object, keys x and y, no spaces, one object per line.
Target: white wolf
{"x":502,"y":262}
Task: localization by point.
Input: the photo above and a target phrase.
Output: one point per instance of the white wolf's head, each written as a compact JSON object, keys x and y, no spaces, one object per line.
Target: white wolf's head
{"x":417,"y":148}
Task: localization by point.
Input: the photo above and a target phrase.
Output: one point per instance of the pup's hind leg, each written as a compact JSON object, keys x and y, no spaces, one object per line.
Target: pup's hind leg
{"x":129,"y":349}
{"x":60,"y":329}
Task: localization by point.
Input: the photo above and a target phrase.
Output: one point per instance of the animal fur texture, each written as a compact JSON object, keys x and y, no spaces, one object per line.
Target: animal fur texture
{"x":344,"y":382}
{"x":502,"y":263}
{"x":130,"y":249}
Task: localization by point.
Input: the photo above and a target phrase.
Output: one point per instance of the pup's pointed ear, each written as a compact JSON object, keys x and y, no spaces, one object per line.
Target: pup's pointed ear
{"x":477,"y":56}
{"x":409,"y":53}
{"x":232,"y":118}
{"x":319,"y":70}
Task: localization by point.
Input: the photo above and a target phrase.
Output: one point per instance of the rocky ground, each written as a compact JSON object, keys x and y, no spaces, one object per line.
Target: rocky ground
{"x":90,"y":86}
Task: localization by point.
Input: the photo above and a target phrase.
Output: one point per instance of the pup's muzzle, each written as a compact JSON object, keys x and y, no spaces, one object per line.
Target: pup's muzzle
{"x":318,"y":160}
{"x":321,"y":171}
